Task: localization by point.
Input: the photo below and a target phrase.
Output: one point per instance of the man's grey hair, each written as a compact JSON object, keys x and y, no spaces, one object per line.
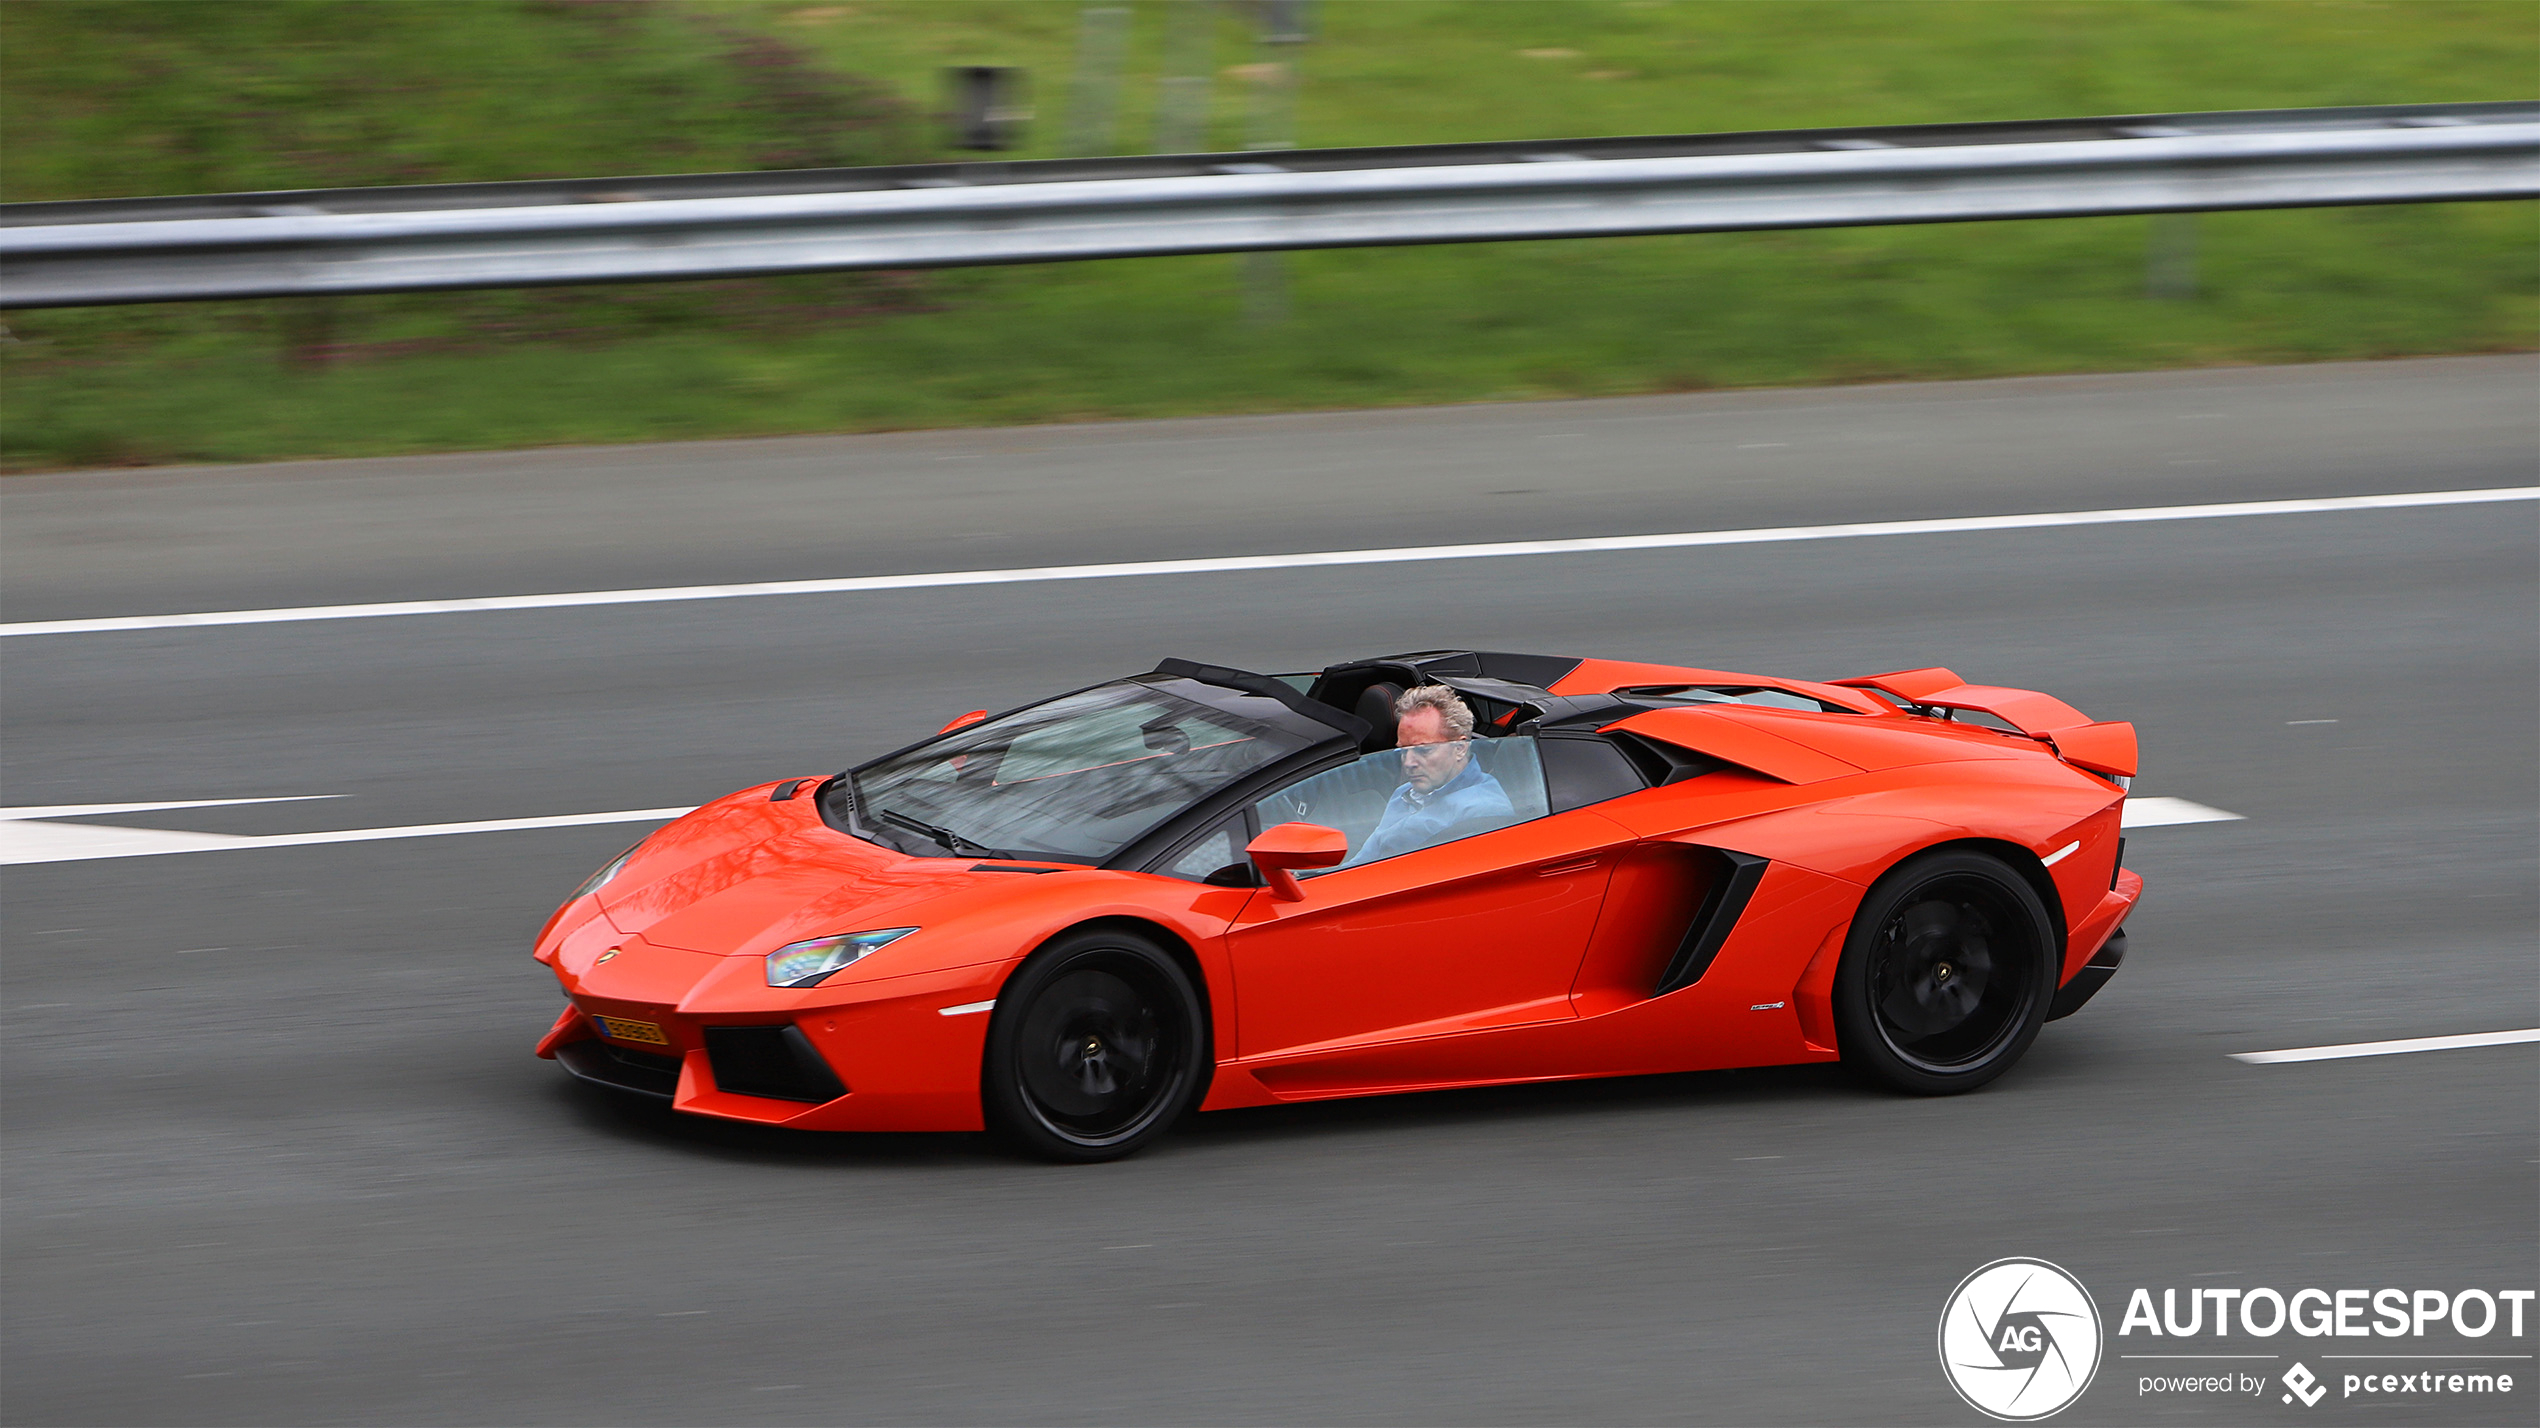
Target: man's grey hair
{"x":1450,"y":707}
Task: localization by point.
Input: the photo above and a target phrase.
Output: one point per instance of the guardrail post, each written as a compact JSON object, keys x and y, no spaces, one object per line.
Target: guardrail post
{"x":1181,"y":103}
{"x":2169,"y":264}
{"x":307,"y":327}
{"x":986,"y":105}
{"x":1283,"y":28}
{"x":1093,"y":101}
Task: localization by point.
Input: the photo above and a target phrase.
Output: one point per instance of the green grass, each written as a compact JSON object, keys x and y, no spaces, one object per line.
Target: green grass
{"x":117,"y":97}
{"x":1159,"y":337}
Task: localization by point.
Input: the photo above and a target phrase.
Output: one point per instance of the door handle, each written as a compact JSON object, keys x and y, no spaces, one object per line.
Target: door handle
{"x":1575,"y":865}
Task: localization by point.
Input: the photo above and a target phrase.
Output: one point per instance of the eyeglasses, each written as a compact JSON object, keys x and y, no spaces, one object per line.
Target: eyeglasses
{"x":1427,"y":751}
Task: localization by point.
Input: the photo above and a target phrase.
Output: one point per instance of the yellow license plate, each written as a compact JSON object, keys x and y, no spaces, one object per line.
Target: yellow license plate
{"x":621,"y":1029}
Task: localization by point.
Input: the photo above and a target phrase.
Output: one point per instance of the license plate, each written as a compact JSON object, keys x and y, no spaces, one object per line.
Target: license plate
{"x":620,"y":1029}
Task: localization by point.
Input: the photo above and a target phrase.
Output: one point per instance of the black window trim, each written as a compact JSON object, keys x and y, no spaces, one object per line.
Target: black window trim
{"x":1246,"y":682}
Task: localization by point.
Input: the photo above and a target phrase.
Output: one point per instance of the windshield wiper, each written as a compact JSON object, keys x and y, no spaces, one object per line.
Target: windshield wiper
{"x":951,"y":840}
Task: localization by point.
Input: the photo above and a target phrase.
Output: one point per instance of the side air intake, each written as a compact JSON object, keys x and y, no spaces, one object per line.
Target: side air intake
{"x":777,"y":1062}
{"x":1713,"y":922}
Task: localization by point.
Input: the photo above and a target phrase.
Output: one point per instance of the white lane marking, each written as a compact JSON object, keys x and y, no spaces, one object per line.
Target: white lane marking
{"x":93,"y":810}
{"x":966,"y":1008}
{"x":2168,"y":812}
{"x":2044,"y":520}
{"x":2061,"y":853}
{"x":23,"y":842}
{"x":32,"y":842}
{"x":2388,"y":1048}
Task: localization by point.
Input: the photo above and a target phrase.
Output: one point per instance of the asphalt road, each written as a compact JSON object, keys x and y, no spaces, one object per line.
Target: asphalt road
{"x":276,"y":1152}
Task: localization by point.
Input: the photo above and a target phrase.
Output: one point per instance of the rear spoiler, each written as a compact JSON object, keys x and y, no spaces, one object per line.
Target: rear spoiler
{"x":2076,"y":738}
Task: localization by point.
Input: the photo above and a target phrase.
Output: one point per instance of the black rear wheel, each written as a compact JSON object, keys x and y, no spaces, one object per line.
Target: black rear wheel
{"x":1097,"y":1045}
{"x":1946,"y":974}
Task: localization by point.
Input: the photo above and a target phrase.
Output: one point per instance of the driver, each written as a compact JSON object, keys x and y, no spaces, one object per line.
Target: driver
{"x":1444,"y":795}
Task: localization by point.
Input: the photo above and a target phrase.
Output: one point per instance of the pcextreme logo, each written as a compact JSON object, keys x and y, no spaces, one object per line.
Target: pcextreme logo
{"x":2305,"y":1385}
{"x":2019,"y":1339}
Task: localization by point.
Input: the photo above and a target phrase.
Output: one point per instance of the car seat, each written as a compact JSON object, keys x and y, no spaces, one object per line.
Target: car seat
{"x":1375,"y":705}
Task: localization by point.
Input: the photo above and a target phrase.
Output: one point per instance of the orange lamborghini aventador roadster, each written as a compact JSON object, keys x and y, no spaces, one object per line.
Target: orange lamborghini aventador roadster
{"x":1199,"y":888}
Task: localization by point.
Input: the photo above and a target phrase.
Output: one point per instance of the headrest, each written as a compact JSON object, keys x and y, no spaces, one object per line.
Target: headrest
{"x":1375,"y":705}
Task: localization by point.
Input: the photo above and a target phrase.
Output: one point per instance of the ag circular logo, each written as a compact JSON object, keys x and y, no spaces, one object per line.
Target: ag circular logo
{"x":2019,"y":1339}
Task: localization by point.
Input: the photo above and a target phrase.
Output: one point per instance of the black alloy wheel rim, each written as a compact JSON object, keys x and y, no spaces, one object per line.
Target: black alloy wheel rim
{"x":1103,"y":1050}
{"x":1952,"y":973}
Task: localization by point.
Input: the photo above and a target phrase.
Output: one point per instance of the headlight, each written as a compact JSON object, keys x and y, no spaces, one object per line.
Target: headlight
{"x":600,"y":879}
{"x":806,"y":964}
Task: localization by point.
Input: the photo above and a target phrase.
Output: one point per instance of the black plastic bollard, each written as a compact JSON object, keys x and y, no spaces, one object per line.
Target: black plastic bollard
{"x":986,"y":110}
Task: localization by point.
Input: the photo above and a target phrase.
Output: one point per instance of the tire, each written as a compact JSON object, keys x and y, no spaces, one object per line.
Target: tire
{"x":1097,"y":1045}
{"x":1946,"y":974}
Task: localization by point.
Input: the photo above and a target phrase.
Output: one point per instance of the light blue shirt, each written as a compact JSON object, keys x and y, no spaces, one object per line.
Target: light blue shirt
{"x":1471,"y":802}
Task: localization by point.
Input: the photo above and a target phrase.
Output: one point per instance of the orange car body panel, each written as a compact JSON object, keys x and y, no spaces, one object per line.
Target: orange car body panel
{"x":1526,"y":953}
{"x":1485,"y":932}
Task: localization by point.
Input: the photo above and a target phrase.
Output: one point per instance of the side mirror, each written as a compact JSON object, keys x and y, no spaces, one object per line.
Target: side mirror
{"x":962,"y":721}
{"x":1280,"y":851}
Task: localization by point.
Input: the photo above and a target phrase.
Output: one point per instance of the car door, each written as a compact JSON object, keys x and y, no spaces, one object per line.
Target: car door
{"x":1485,"y":930}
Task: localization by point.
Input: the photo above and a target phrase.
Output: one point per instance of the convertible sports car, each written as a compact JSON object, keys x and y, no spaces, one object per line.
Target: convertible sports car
{"x":1198,"y":887}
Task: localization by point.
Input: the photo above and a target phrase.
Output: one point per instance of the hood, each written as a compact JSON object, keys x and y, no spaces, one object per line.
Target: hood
{"x":742,"y":877}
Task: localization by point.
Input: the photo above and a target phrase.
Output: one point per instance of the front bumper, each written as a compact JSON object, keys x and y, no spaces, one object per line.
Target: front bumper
{"x":890,"y":1061}
{"x":619,"y":1067}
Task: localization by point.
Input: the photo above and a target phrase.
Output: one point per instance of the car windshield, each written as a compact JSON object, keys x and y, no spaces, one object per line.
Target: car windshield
{"x":1073,"y":780}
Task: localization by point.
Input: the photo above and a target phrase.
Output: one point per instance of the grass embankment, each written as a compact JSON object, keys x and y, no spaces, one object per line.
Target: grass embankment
{"x":100,"y":103}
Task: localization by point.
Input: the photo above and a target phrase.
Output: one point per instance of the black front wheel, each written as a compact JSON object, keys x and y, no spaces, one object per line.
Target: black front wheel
{"x":1946,"y":975}
{"x":1097,"y":1045}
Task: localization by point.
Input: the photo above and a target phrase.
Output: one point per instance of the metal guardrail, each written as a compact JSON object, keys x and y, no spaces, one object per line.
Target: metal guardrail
{"x":318,"y":242}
